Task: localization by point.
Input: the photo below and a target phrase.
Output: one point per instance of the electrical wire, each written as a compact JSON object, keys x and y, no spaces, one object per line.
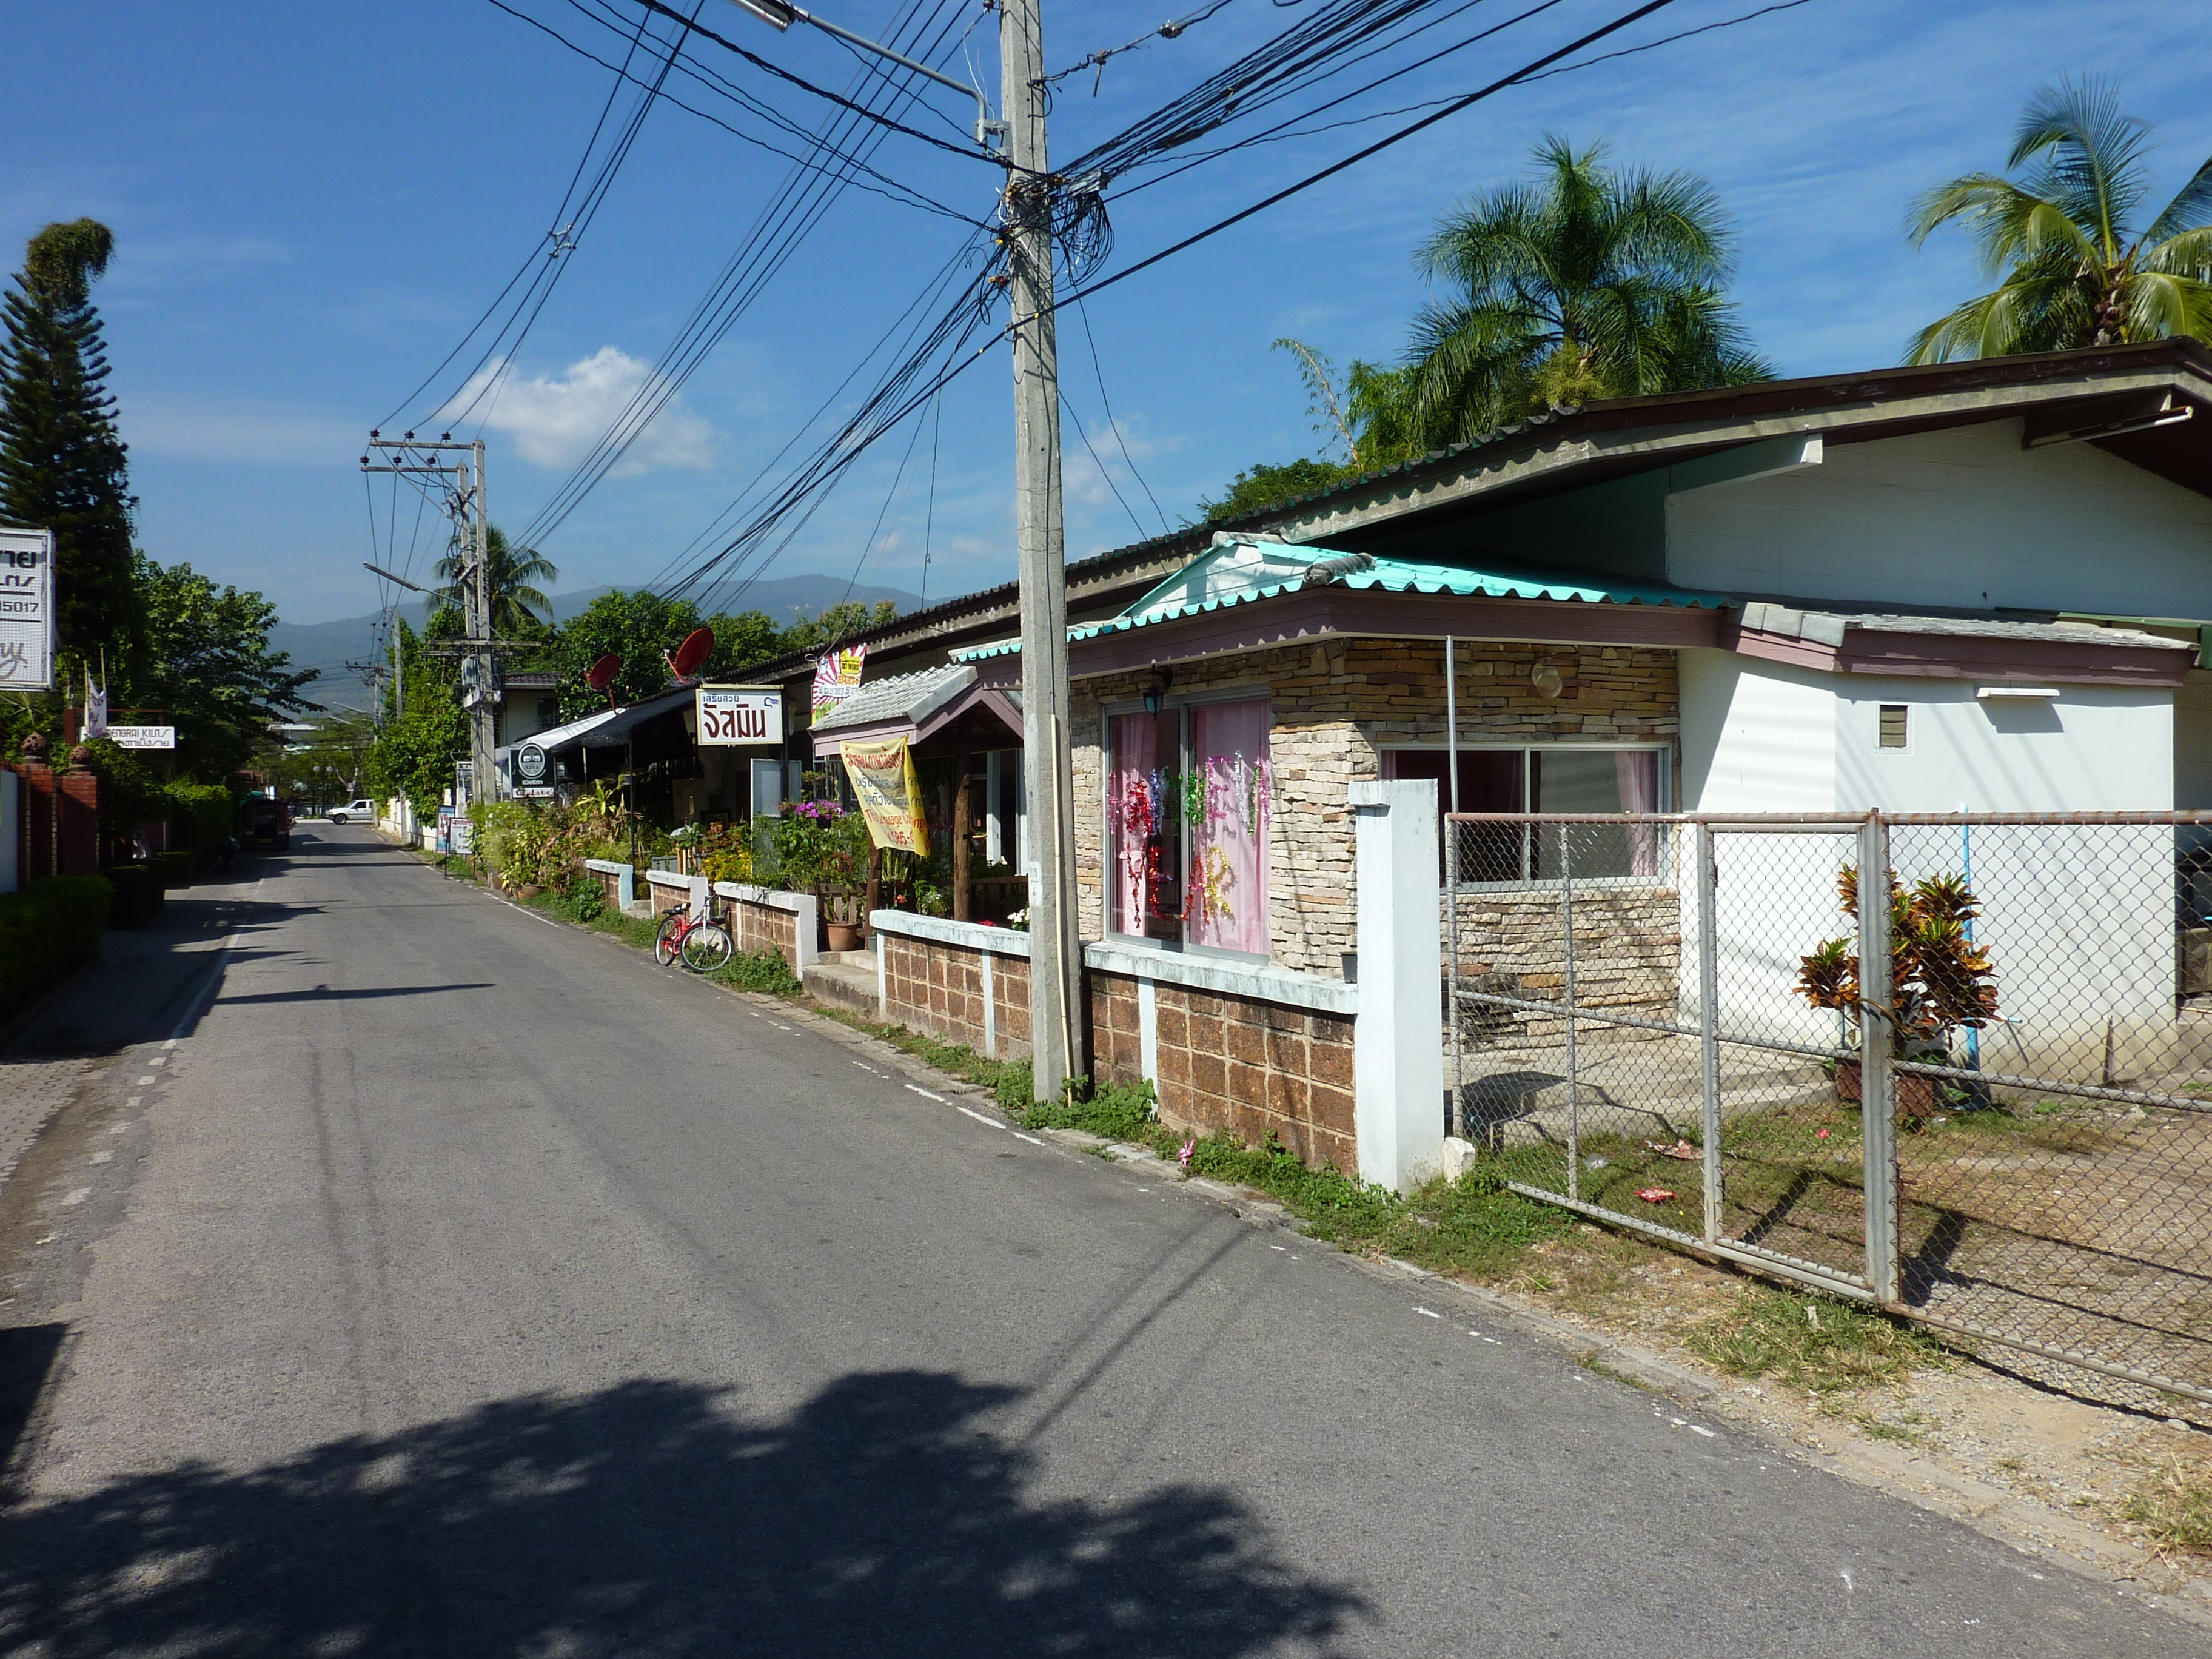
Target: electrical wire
{"x":1067,"y":408}
{"x":776,"y":232}
{"x":1098,"y":372}
{"x":562,"y":221}
{"x":1464,"y":101}
{"x":886,"y":186}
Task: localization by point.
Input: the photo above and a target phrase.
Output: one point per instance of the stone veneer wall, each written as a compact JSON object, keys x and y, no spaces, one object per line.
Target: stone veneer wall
{"x":1234,"y":1065}
{"x":1337,"y":705}
{"x":936,"y":985}
{"x":1628,"y":948}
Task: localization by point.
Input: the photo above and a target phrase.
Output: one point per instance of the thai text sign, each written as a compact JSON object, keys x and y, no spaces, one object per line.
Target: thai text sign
{"x":26,"y":610}
{"x":730,"y":716}
{"x":142,"y":737}
{"x":883,"y":779}
{"x":836,"y":677}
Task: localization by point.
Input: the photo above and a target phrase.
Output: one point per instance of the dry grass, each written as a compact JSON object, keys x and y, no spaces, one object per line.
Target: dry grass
{"x":1816,"y":1343}
{"x":2173,"y":1508}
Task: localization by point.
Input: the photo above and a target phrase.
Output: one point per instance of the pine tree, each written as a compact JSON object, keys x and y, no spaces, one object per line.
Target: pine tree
{"x":61,"y":460}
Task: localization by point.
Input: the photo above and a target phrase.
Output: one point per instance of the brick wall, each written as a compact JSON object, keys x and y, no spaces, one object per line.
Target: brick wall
{"x":755,"y":927}
{"x":1235,"y":1065}
{"x":935,"y":986}
{"x":1337,"y":706}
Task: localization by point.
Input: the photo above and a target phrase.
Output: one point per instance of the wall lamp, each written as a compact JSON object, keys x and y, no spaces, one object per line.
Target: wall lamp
{"x":1156,"y":693}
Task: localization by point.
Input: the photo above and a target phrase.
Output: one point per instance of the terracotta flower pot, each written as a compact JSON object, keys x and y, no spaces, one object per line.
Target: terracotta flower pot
{"x":1917,"y":1096}
{"x":844,"y":936}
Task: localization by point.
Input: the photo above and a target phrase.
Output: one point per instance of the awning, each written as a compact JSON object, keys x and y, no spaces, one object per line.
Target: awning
{"x":915,"y":706}
{"x":1238,"y":572}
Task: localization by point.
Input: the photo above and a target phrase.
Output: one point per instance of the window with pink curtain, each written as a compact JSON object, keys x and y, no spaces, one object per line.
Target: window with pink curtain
{"x":1227,"y":906}
{"x":1134,"y":812}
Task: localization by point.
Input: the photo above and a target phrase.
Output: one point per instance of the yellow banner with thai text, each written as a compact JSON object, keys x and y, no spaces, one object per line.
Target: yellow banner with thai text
{"x":883,"y":779}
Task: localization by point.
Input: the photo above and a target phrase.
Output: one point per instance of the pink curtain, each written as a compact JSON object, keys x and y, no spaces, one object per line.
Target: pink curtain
{"x":1638,"y":777}
{"x":1132,"y":811}
{"x":1228,"y":882}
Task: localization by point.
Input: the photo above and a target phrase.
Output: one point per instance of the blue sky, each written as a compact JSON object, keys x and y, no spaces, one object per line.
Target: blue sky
{"x":311,"y":202}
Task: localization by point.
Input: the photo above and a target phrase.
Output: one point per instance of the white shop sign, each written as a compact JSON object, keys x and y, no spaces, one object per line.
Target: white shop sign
{"x":142,"y":737}
{"x":26,"y":610}
{"x":730,"y":716}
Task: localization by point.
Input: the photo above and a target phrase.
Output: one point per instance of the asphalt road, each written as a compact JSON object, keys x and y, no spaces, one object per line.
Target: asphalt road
{"x":460,"y":1284}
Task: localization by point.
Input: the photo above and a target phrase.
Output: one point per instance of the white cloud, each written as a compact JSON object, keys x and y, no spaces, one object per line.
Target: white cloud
{"x":555,"y":421}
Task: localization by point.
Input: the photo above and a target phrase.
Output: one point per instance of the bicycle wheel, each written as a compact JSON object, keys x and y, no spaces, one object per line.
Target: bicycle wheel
{"x":665,"y":941}
{"x":707,"y":947}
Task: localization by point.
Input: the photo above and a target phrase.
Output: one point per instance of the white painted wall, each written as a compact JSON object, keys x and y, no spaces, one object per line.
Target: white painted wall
{"x":1965,"y":517}
{"x":2079,"y":920}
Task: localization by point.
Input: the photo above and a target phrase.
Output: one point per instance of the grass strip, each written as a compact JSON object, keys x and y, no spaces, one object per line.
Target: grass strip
{"x":1819,"y":1343}
{"x":2174,"y":1508}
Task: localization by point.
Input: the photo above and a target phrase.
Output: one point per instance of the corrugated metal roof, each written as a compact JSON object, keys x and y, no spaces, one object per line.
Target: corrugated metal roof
{"x":1279,"y":567}
{"x":905,"y":698}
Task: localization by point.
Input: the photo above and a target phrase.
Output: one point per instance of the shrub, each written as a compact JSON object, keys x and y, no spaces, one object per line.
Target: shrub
{"x":49,"y":928}
{"x":200,"y":815}
{"x":137,"y":894}
{"x":174,"y":869}
{"x":759,"y":970}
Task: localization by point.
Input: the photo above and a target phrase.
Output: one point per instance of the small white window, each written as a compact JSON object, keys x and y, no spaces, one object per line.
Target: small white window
{"x":1893,"y":726}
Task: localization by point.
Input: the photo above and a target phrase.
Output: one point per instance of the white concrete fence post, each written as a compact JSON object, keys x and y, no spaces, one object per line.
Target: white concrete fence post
{"x":1398,"y":1047}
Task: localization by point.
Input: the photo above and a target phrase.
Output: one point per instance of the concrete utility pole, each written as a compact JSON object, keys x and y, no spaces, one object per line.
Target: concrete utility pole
{"x":1055,"y":953}
{"x":471,"y":537}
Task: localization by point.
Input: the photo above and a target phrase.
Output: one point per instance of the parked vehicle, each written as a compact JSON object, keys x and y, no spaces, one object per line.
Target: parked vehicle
{"x":702,"y":946}
{"x":265,"y":823}
{"x":364,"y":810}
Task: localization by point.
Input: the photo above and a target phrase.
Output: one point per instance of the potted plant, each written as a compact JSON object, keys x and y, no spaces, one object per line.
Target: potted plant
{"x":823,"y":849}
{"x":1939,"y":980}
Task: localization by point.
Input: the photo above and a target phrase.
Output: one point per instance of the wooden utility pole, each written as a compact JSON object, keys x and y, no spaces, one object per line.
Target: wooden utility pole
{"x":1055,"y":954}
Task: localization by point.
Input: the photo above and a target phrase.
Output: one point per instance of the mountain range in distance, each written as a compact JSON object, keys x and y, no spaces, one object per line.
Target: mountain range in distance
{"x":326,"y":647}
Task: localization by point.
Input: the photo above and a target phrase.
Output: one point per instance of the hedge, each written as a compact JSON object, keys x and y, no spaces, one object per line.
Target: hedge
{"x":50,"y":927}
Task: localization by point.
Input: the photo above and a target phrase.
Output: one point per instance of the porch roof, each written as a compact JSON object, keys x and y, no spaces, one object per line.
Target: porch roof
{"x":1242,"y":571}
{"x":915,"y":706}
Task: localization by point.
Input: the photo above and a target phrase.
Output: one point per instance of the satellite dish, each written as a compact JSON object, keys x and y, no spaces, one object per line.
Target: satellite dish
{"x":602,"y":672}
{"x":698,"y":646}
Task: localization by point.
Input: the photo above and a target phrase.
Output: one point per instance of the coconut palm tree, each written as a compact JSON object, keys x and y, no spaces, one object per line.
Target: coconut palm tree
{"x":1584,"y":284}
{"x":2073,"y":271}
{"x":518,"y":608}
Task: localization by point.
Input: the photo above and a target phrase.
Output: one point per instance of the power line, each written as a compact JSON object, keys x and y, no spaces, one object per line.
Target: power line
{"x":1083,"y":315}
{"x":775,"y":235}
{"x":1466,"y":101}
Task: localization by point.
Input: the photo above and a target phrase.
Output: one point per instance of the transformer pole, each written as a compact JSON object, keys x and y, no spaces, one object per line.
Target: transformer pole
{"x":1055,"y":953}
{"x":483,"y":732}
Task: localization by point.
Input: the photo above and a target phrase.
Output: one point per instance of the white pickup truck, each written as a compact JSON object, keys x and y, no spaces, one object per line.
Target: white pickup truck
{"x":364,"y":810}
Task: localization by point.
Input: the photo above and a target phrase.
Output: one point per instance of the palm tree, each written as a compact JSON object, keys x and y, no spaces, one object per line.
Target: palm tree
{"x":1584,"y":283}
{"x":518,"y":608}
{"x":2072,"y":271}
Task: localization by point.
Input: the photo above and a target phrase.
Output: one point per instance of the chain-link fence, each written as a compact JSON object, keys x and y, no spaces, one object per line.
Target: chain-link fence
{"x":1978,"y":1092}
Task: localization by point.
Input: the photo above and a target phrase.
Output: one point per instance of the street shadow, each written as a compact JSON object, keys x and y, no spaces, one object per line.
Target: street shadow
{"x":27,"y":1354}
{"x":323,"y":993}
{"x":652,"y":1519}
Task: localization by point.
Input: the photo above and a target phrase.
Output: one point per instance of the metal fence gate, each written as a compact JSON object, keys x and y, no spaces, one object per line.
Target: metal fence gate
{"x":1978,"y":1094}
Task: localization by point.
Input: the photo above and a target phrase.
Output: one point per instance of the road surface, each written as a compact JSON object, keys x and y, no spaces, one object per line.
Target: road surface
{"x":459,"y":1284}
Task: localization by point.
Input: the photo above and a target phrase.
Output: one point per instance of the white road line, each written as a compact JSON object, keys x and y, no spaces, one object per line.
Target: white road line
{"x":1492,"y":1341}
{"x":989,"y":1123}
{"x":1700,"y":1429}
{"x":77,"y":1197}
{"x":1032,"y":1140}
{"x":1430,"y":1312}
{"x":1285,"y":1248}
{"x":143,"y":1082}
{"x":170,"y":1043}
{"x":134,"y":1100}
{"x":925,"y":1095}
{"x":865,"y":1066}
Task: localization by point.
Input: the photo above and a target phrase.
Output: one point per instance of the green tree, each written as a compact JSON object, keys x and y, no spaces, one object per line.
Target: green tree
{"x":2073,"y":270}
{"x":518,"y":609}
{"x":742,"y":640}
{"x":840,"y":620}
{"x":1584,"y":283}
{"x":415,"y":751}
{"x":204,"y":660}
{"x":638,"y":628}
{"x":62,"y":462}
{"x":1262,"y":485}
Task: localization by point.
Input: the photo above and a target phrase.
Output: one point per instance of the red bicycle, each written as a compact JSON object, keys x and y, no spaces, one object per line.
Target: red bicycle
{"x":700,"y":943}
